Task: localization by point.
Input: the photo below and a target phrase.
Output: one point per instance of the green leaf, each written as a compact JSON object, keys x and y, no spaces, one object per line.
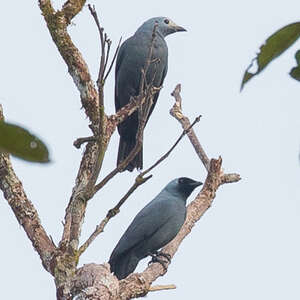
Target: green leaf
{"x":21,"y":143}
{"x":275,"y":45}
{"x":295,"y":72}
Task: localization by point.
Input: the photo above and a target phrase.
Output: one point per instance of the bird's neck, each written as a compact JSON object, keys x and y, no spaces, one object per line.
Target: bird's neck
{"x":148,"y":33}
{"x":177,"y":195}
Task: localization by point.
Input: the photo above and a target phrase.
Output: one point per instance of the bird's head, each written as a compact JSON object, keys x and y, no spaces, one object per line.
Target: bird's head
{"x":183,"y":186}
{"x":165,"y":26}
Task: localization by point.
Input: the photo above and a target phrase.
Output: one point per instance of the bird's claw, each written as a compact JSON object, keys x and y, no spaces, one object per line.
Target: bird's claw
{"x":155,"y":258}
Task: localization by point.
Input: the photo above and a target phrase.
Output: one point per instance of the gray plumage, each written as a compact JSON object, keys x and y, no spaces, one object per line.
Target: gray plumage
{"x":130,"y":61}
{"x":153,"y":227}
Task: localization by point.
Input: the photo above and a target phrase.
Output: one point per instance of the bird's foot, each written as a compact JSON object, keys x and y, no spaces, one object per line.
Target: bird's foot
{"x":155,"y":258}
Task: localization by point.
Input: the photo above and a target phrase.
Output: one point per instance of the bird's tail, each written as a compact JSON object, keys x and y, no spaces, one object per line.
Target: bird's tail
{"x":124,"y":265}
{"x":125,"y":147}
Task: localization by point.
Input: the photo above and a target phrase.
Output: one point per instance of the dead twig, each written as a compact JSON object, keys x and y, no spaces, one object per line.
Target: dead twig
{"x":156,"y":288}
{"x":83,"y":140}
{"x":185,"y":131}
{"x":102,"y":43}
{"x":176,"y":112}
{"x":113,"y":60}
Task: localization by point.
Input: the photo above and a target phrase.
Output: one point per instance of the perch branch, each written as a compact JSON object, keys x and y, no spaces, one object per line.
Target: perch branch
{"x":103,"y":43}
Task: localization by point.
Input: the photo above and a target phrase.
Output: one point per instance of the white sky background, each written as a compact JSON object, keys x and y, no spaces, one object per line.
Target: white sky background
{"x":247,"y":245}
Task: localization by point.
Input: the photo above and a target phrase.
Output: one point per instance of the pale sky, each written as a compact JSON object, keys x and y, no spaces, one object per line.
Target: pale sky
{"x":247,"y":245}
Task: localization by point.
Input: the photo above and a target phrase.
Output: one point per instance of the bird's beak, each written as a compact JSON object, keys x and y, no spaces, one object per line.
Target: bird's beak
{"x":175,"y":27}
{"x":195,"y":184}
{"x":179,"y":28}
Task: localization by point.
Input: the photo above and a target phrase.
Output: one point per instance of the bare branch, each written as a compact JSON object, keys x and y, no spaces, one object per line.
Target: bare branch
{"x":57,"y":23}
{"x":91,"y":162}
{"x":176,"y":112}
{"x":103,"y":54}
{"x":83,"y":140}
{"x":113,"y":60}
{"x":230,"y":178}
{"x":127,"y":110}
{"x":172,"y":148}
{"x":71,"y":8}
{"x":156,"y":288}
{"x":108,"y":41}
{"x":24,"y":210}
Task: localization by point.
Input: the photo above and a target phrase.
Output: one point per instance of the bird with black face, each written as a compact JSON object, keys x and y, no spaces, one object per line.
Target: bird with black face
{"x":131,"y":59}
{"x":153,"y":227}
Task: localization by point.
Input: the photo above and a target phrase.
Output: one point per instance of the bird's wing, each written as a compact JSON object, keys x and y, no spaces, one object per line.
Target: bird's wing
{"x":157,"y":94}
{"x":118,"y":64}
{"x":144,"y":225}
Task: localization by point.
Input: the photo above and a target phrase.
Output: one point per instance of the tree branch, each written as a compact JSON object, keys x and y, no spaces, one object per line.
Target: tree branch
{"x":156,"y":288}
{"x":57,"y":22}
{"x":71,"y":8}
{"x":24,"y":210}
{"x":176,"y":112}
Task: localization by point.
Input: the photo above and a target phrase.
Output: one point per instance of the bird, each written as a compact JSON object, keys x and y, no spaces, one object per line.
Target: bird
{"x":131,"y":59}
{"x":153,"y":227}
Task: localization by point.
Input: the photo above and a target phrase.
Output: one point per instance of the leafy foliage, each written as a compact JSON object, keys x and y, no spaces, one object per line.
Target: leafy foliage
{"x":275,"y":45}
{"x":295,"y":72}
{"x":21,"y":143}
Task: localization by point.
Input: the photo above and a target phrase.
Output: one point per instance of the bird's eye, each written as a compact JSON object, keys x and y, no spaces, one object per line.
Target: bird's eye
{"x":166,"y":21}
{"x":181,"y":180}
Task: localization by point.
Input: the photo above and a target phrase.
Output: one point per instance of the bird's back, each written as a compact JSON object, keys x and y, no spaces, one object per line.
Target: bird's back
{"x":132,"y":59}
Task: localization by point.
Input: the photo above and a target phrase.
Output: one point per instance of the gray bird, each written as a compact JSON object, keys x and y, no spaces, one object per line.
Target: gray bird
{"x":153,"y":227}
{"x":130,"y":61}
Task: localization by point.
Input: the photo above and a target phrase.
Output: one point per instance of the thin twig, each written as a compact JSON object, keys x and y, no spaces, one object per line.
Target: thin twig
{"x":112,"y":212}
{"x":172,"y":148}
{"x":162,"y":287}
{"x":108,"y":41}
{"x":103,"y":40}
{"x":123,"y":163}
{"x":113,"y":60}
{"x":83,"y":140}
